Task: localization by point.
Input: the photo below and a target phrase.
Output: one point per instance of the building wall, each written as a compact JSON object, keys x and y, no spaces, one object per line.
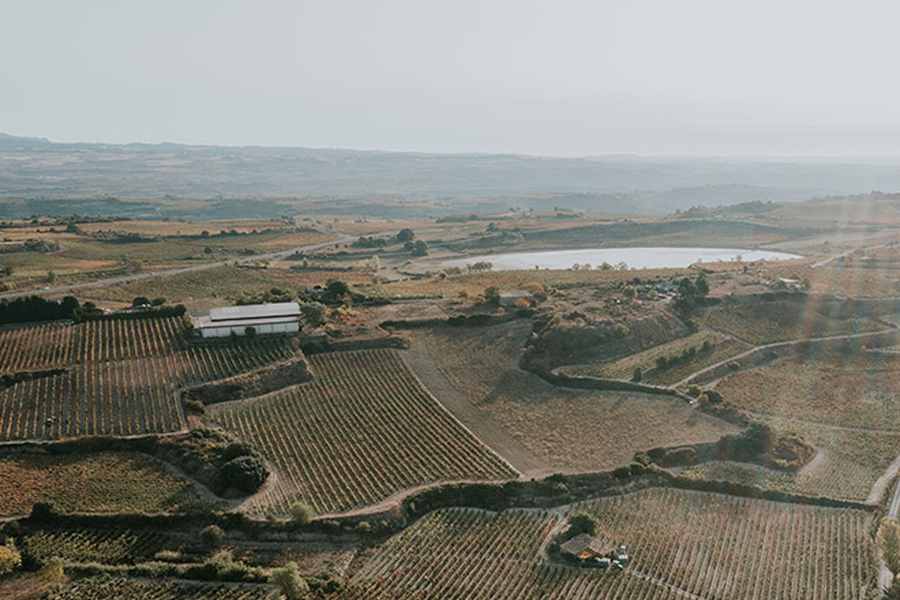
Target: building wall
{"x":210,"y":332}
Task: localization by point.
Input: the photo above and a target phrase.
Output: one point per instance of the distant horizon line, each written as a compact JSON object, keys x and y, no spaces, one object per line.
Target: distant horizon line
{"x":587,"y":157}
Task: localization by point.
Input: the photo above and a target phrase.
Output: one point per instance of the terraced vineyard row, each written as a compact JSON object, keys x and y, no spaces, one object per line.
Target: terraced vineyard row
{"x":123,"y":588}
{"x":36,"y":347}
{"x":760,"y":549}
{"x":126,"y":397}
{"x":362,"y":431}
{"x":110,"y":546}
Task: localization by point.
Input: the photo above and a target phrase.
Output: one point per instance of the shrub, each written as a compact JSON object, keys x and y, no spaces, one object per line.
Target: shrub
{"x":419,"y":248}
{"x":289,"y":580}
{"x":405,"y":235}
{"x":244,"y":473}
{"x":637,"y":375}
{"x":492,"y":295}
{"x":53,"y":571}
{"x":212,"y":536}
{"x":302,"y":513}
{"x":10,"y":559}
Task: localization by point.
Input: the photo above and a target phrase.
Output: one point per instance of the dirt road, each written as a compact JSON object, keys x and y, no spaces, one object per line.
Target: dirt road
{"x":67,"y":289}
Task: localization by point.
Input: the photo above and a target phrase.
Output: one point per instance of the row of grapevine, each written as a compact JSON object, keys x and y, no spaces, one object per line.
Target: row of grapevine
{"x":120,"y":339}
{"x":36,"y":347}
{"x":109,"y":546}
{"x":362,"y":431}
{"x":683,"y":544}
{"x":123,"y":588}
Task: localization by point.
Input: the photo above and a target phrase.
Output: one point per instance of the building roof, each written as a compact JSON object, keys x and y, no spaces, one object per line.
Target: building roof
{"x":514,"y":294}
{"x":206,"y":322}
{"x":586,"y":542}
{"x":255,"y":311}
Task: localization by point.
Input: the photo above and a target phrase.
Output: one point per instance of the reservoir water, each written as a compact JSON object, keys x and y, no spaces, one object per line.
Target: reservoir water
{"x":636,"y":258}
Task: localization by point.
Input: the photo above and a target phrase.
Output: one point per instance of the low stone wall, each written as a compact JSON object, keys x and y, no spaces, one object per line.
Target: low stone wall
{"x":272,"y":377}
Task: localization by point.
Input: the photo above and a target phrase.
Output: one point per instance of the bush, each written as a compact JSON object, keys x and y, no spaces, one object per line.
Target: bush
{"x":212,"y":536}
{"x":291,"y":583}
{"x":244,"y":473}
{"x":313,"y":313}
{"x":492,"y":295}
{"x":405,"y":235}
{"x":10,"y":559}
{"x":302,"y":513}
{"x":581,"y":523}
{"x":637,"y":375}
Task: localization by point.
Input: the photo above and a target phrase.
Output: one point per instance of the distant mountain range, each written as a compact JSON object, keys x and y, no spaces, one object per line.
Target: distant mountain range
{"x":38,"y":169}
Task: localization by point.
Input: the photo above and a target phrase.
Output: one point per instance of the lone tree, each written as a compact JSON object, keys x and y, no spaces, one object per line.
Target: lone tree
{"x":406,"y":235}
{"x":637,"y":375}
{"x":140,"y":301}
{"x":419,"y":248}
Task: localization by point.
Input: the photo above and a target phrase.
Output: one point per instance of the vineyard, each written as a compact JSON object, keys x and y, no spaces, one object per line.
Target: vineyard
{"x":107,"y":546}
{"x":121,"y":377}
{"x":96,"y":483}
{"x":362,"y":431}
{"x":683,"y":545}
{"x":859,"y":391}
{"x":766,"y":322}
{"x":122,"y":588}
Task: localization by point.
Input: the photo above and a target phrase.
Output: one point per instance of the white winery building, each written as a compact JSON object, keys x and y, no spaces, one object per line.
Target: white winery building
{"x":278,"y":317}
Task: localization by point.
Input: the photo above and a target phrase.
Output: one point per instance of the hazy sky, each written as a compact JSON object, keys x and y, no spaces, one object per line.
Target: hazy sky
{"x":551,"y":77}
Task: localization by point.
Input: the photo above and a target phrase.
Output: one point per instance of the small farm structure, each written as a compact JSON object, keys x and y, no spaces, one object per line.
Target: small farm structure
{"x":261,"y":319}
{"x":512,"y":297}
{"x":585,"y":547}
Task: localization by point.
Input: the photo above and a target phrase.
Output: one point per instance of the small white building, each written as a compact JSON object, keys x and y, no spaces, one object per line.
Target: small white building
{"x":278,"y":317}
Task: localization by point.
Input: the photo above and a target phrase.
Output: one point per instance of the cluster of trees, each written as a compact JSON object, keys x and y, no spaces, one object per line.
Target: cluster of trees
{"x":35,"y":308}
{"x":691,"y":292}
{"x":370,"y":242}
{"x":687,"y":355}
{"x":416,"y":248}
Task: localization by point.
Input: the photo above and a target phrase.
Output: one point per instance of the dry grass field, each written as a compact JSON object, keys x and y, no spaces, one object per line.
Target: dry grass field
{"x":564,"y":429}
{"x":683,"y":544}
{"x":221,"y":285}
{"x":363,"y":430}
{"x":179,"y":228}
{"x":473,"y":285}
{"x":106,"y":482}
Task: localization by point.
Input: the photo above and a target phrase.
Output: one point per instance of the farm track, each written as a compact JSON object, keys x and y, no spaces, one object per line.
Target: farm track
{"x":66,"y":289}
{"x":690,"y":378}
